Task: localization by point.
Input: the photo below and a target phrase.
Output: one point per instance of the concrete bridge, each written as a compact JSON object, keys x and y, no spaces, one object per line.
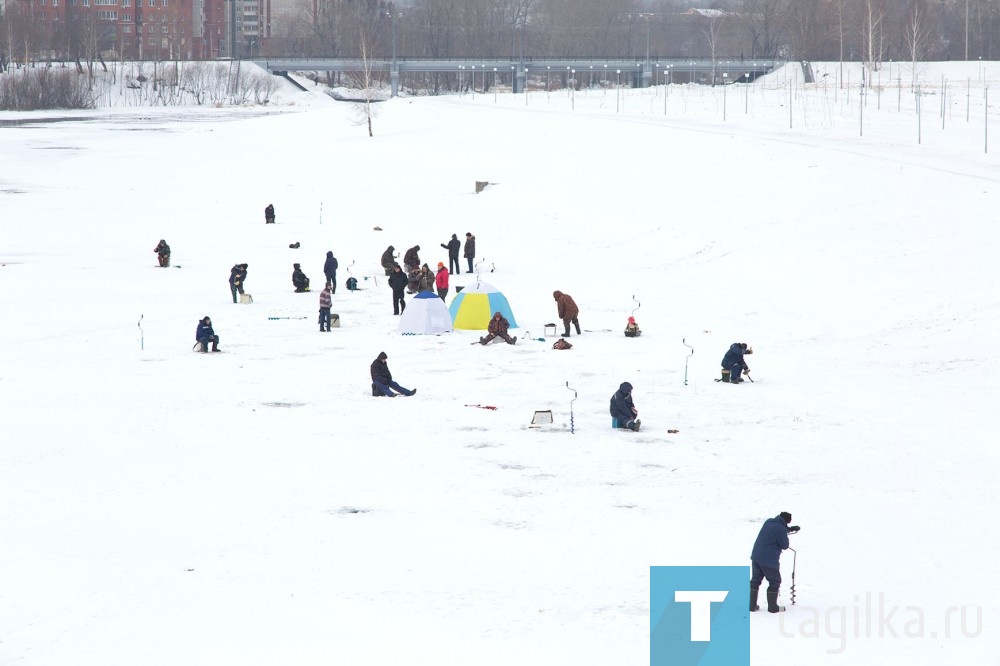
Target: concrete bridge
{"x":638,"y":72}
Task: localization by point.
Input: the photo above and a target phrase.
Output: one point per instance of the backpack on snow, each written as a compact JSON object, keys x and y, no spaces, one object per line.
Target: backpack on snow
{"x":351,"y":284}
{"x":561,"y":344}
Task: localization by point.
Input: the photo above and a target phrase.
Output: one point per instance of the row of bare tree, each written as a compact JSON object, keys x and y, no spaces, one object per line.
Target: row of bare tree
{"x":870,"y":30}
{"x":867,"y":30}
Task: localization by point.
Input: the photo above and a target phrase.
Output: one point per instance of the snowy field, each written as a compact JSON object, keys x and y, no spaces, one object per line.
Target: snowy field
{"x":258,"y":506}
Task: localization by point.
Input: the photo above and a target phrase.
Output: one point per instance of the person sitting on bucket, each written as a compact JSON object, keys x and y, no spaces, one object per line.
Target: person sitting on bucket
{"x":382,"y":383}
{"x":162,"y":251}
{"x":632,"y":329}
{"x":299,"y":279}
{"x":772,"y":539}
{"x":734,"y":363}
{"x":206,"y":334}
{"x":497,"y":328}
{"x":623,"y":409}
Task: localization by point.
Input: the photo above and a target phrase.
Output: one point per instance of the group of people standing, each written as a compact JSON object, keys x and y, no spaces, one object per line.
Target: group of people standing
{"x":413,"y":276}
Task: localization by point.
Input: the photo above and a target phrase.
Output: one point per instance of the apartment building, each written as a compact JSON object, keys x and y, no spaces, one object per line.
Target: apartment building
{"x":145,"y":29}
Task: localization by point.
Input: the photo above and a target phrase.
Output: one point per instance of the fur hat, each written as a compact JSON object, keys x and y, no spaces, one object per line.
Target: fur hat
{"x":440,"y":265}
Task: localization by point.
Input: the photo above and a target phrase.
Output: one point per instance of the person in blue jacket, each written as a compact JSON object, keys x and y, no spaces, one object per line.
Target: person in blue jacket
{"x":623,"y":409}
{"x":206,"y":334}
{"x":772,"y":539}
{"x":330,"y":271}
{"x":734,"y":363}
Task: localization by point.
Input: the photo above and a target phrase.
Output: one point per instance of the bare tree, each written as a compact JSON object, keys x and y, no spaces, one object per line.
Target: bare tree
{"x":915,"y":35}
{"x":872,"y":33}
{"x":765,"y":22}
{"x":369,"y":20}
{"x":712,"y":28}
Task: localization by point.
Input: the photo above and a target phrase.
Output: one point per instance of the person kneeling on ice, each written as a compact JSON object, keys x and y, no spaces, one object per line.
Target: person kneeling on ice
{"x":205,"y":334}
{"x":772,"y":539}
{"x":299,"y":279}
{"x":733,"y":363}
{"x":497,"y":328}
{"x":623,"y":410}
{"x":382,"y":383}
{"x":632,"y":329}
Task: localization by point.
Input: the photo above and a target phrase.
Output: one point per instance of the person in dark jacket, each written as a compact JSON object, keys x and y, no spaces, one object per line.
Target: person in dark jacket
{"x":470,"y":249}
{"x":382,"y":383}
{"x":623,"y":409}
{"x":269,"y":214}
{"x":567,"y":311}
{"x":389,"y":259}
{"x":299,"y":279}
{"x":237,"y":276}
{"x":162,"y":251}
{"x":330,"y":271}
{"x":398,"y":282}
{"x":734,"y":363}
{"x":497,"y":328}
{"x":441,"y":281}
{"x":205,"y":334}
{"x":412,"y":258}
{"x":453,"y":246}
{"x":772,"y":539}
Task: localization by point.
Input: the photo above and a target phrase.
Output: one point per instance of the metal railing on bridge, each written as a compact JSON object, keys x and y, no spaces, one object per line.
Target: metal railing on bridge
{"x":642,"y":73}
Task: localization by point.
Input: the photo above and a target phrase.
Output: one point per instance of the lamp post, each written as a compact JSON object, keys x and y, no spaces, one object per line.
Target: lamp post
{"x":746,"y":102}
{"x":494,"y":85}
{"x":572,"y":95}
{"x":618,"y":90}
{"x":725,"y":79}
{"x":526,"y":86}
{"x":473,"y":83}
{"x":461,"y":80}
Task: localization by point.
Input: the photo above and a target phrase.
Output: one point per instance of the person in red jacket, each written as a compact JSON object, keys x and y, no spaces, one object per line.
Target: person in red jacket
{"x":497,"y":328}
{"x":568,"y":311}
{"x":441,"y":281}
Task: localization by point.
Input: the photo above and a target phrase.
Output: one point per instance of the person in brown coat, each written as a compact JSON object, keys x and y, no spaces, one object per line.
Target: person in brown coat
{"x":497,"y":328}
{"x":425,"y":279}
{"x":568,"y":311}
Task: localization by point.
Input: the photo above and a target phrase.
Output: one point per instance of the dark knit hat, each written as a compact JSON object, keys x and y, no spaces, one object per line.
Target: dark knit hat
{"x":785,"y":516}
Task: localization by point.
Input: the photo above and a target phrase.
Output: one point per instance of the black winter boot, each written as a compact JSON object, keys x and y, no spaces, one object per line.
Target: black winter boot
{"x":772,"y":603}
{"x":754,"y":591}
{"x":566,"y":334}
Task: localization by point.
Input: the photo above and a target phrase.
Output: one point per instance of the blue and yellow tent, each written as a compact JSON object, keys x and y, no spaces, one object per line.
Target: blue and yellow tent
{"x":473,"y":307}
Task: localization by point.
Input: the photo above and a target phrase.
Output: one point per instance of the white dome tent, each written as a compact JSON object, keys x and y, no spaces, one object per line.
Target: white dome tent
{"x":425,"y":314}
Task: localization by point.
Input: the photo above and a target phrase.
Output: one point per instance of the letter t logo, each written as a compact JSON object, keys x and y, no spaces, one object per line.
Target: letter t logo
{"x":701,"y":610}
